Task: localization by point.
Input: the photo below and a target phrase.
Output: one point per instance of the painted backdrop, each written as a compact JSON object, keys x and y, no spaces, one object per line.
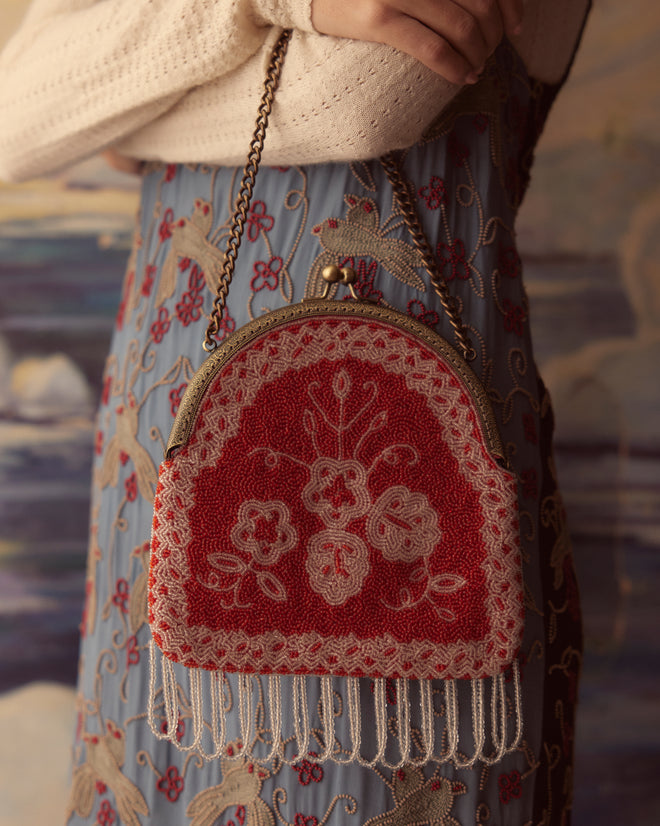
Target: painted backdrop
{"x":590,"y":234}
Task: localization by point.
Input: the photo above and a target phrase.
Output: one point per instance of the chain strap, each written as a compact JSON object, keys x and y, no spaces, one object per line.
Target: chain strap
{"x":410,"y":216}
{"x":245,"y":192}
{"x":244,"y":197}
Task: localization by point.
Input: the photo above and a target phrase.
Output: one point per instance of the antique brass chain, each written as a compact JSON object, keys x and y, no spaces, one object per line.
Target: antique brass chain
{"x":410,"y":216}
{"x":245,"y":192}
{"x":244,"y":197}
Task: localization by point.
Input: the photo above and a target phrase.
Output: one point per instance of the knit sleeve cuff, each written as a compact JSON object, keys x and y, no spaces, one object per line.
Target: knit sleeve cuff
{"x":287,"y":14}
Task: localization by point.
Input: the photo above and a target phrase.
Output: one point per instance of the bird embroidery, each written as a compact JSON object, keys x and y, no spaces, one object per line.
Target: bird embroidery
{"x":124,"y":446}
{"x":420,"y":802}
{"x":360,"y":234}
{"x":190,"y":239}
{"x":105,"y":757}
{"x":240,"y":788}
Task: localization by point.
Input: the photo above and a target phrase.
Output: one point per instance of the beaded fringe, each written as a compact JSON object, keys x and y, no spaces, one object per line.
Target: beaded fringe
{"x":493,"y":734}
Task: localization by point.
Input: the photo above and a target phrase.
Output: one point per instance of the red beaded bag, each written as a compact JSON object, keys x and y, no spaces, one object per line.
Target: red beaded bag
{"x":334,"y":502}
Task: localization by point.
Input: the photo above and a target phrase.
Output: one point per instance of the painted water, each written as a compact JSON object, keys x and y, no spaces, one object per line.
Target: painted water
{"x":57,"y":296}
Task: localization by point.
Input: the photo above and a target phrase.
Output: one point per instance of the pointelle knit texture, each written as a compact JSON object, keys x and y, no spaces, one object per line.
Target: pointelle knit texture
{"x":180,"y":80}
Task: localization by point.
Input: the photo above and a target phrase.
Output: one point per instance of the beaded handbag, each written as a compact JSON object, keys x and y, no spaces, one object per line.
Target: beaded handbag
{"x":334,"y":502}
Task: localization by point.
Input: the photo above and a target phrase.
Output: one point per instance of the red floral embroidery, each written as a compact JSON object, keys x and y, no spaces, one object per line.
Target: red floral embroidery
{"x":131,"y":487}
{"x":453,"y":256}
{"x":529,"y":428}
{"x":165,"y":228}
{"x":107,"y":387}
{"x":417,"y":310}
{"x":266,"y":275}
{"x":514,"y":316}
{"x":529,"y":482}
{"x":301,"y":820}
{"x":170,"y":173}
{"x":180,"y":729}
{"x":171,"y":784}
{"x":148,"y":281}
{"x":119,"y":321}
{"x":184,"y":264}
{"x":101,"y":788}
{"x":308,"y":772}
{"x":435,"y":194}
{"x":509,"y":786}
{"x":98,"y":443}
{"x":106,"y":815}
{"x":508,"y":262}
{"x":121,"y":595}
{"x":226,"y":327}
{"x":364,"y":284}
{"x":123,"y":456}
{"x":189,"y":309}
{"x":258,"y":221}
{"x":351,"y":200}
{"x":241,"y":816}
{"x":132,"y":651}
{"x":160,"y":326}
{"x":176,"y":394}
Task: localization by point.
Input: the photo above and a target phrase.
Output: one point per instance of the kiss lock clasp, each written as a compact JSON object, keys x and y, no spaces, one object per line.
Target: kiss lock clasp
{"x":334,"y":275}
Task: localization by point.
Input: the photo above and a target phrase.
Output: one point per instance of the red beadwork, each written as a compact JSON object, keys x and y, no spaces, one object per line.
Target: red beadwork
{"x":361,"y":527}
{"x":452,"y":256}
{"x":106,"y":815}
{"x":258,"y":221}
{"x":171,"y":784}
{"x":510,"y":786}
{"x":435,"y":194}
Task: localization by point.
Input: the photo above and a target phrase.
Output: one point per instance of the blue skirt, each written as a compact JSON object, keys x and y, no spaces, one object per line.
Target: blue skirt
{"x":467,"y":180}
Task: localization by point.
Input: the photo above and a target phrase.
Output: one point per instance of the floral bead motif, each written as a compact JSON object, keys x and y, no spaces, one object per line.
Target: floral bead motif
{"x":510,"y":786}
{"x":171,"y":784}
{"x":435,"y":193}
{"x":266,"y":274}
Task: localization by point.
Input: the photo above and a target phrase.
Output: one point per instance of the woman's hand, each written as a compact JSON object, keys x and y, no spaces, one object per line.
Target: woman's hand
{"x":121,"y":163}
{"x":452,"y":37}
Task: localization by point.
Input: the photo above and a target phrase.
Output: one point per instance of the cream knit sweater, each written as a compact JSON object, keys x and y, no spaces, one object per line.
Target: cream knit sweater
{"x":179,"y":81}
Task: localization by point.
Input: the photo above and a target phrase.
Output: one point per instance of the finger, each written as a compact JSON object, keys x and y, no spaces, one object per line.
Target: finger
{"x":430,"y":48}
{"x":512,"y":15}
{"x":121,"y":163}
{"x":472,"y":27}
{"x":488,"y":16}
